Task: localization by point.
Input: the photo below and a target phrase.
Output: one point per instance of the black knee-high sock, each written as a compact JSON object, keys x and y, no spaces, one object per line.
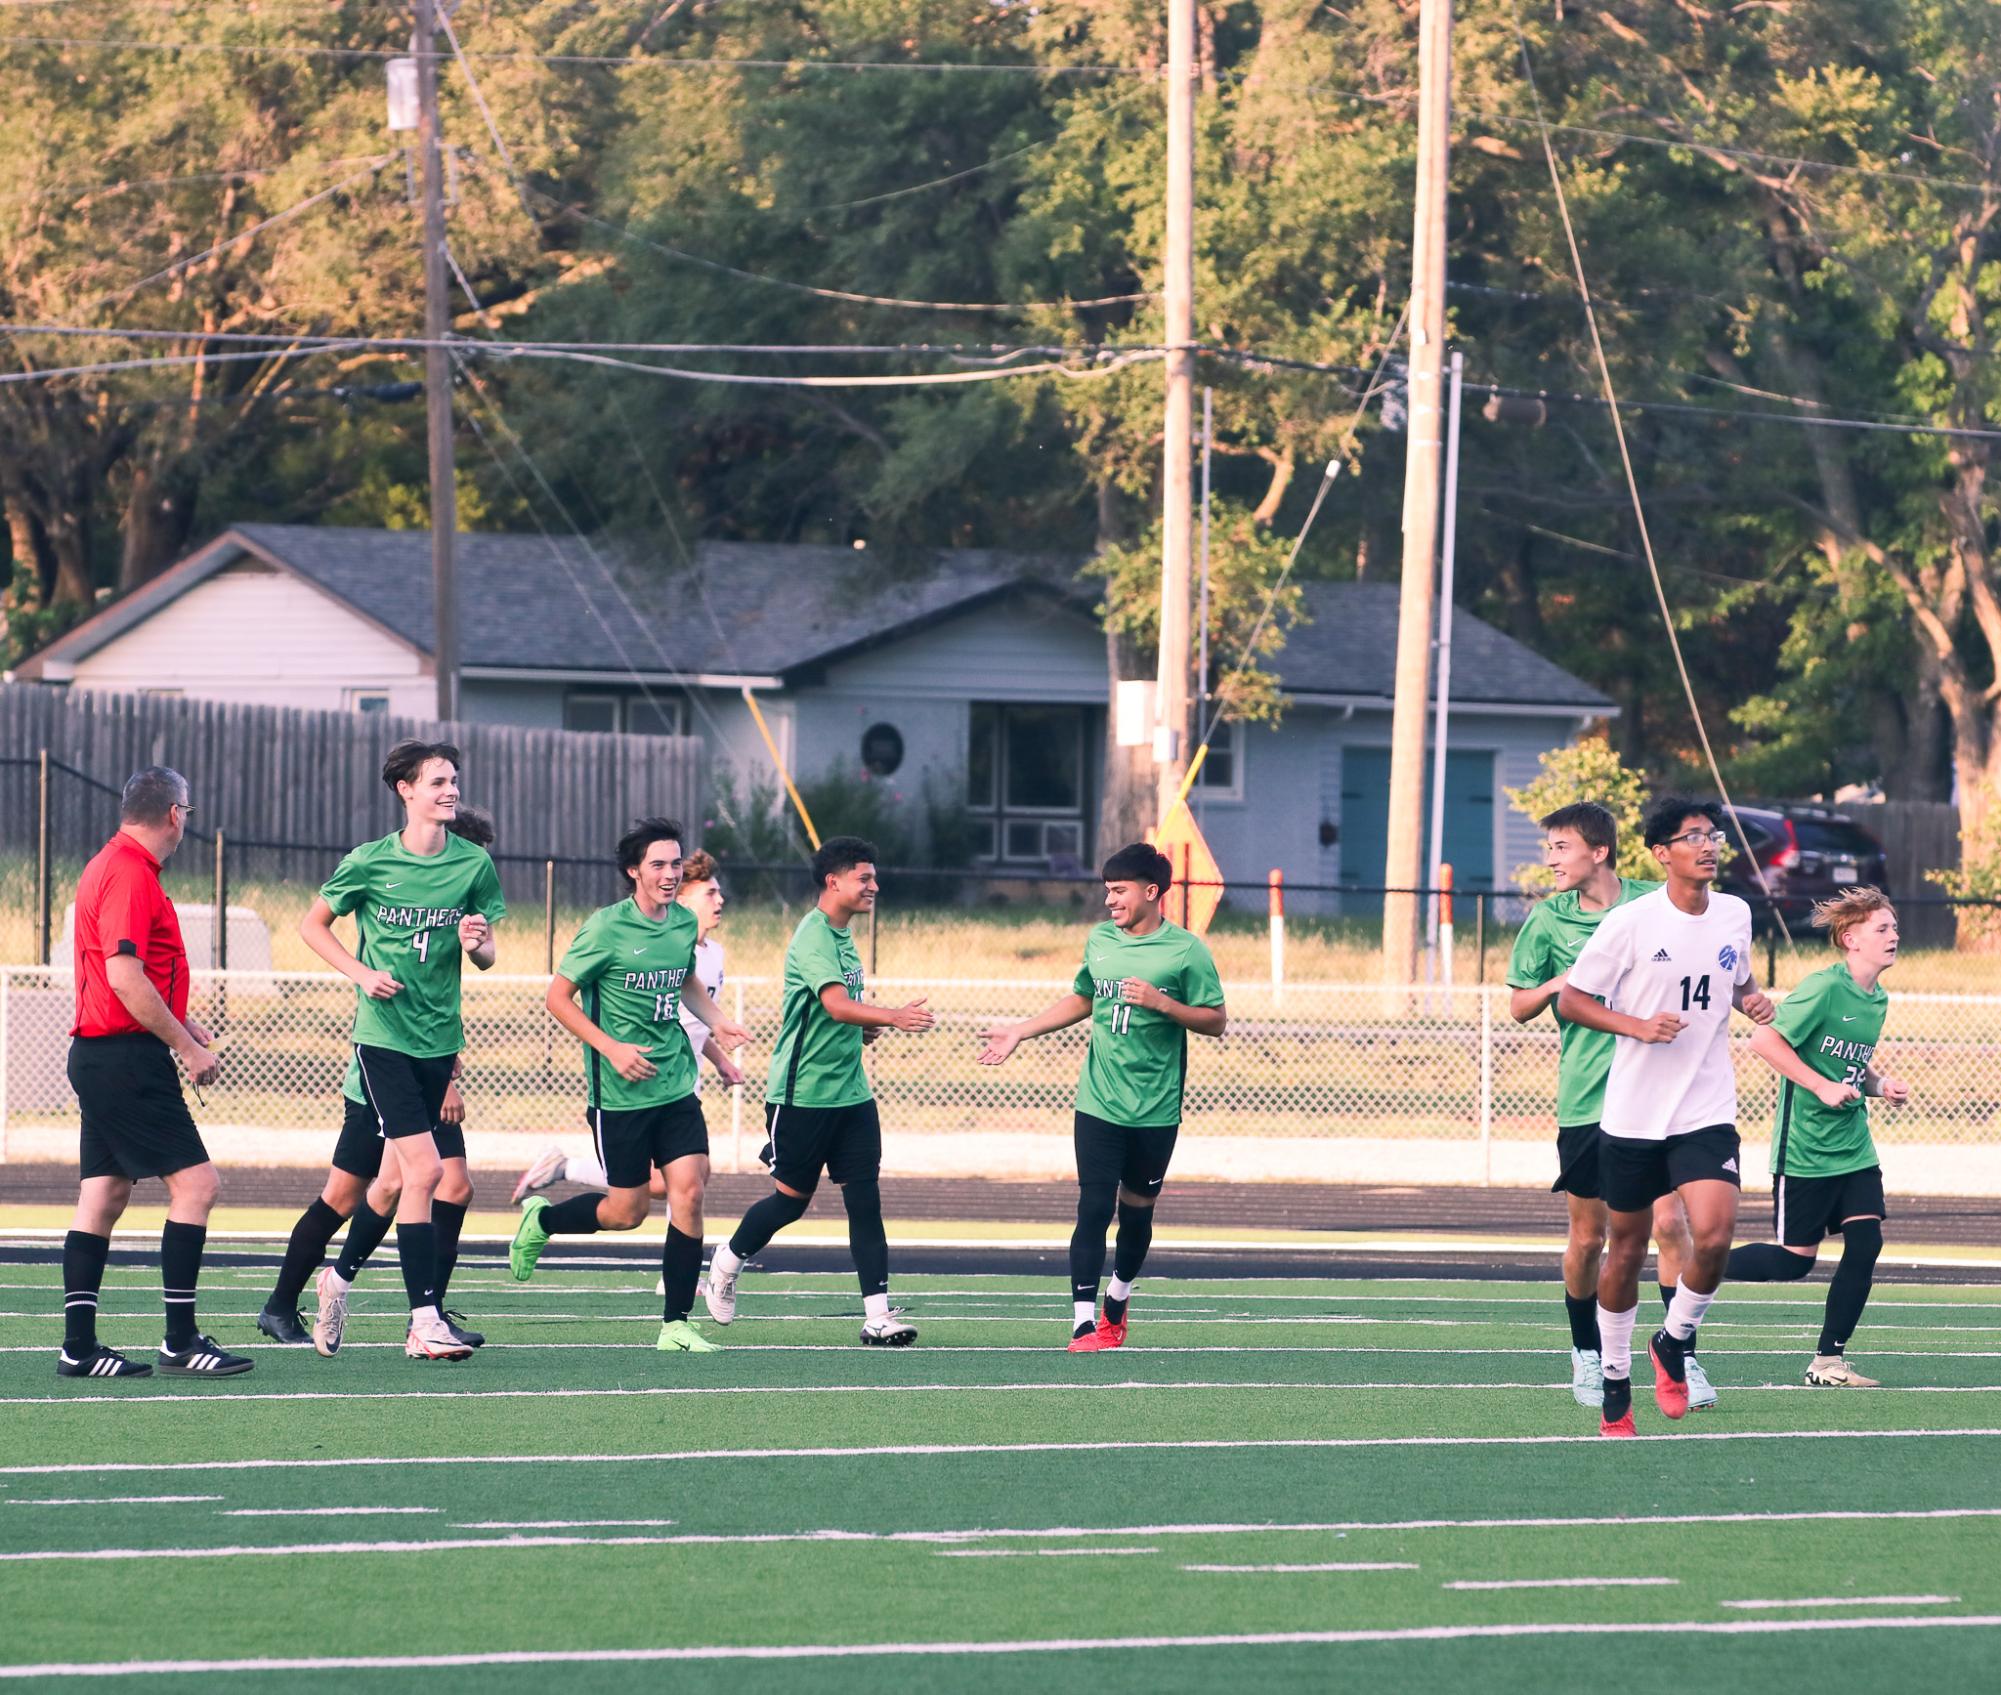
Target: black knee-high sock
{"x":1848,"y":1294}
{"x":1583,"y":1311}
{"x":765,"y":1219}
{"x":1096,"y":1203}
{"x":366,"y":1232}
{"x":680,"y":1267}
{"x":578,"y":1216}
{"x":1134,"y":1238}
{"x":417,"y":1248}
{"x":1667,"y":1295}
{"x":868,"y":1241}
{"x":83,"y":1275}
{"x":1765,"y":1262}
{"x":317,"y":1226}
{"x":180,"y":1268}
{"x":448,"y":1219}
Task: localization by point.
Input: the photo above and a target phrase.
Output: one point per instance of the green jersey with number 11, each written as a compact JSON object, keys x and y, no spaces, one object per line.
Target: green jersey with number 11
{"x":407,"y":907}
{"x":1137,"y":1062}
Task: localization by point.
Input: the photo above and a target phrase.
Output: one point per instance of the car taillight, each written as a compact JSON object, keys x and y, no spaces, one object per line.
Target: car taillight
{"x":1788,"y":855}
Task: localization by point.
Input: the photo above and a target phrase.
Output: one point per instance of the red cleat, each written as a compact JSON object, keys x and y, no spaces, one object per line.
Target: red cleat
{"x":1670,"y":1383}
{"x":1107,"y":1335}
{"x":1620,"y":1426}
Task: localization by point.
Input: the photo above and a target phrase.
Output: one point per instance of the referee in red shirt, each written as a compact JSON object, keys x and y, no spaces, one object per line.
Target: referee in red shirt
{"x":131,"y":1022}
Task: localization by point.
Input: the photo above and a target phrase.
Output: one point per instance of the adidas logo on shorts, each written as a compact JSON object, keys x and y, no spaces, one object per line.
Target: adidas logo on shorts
{"x":1663,"y":957}
{"x":1729,"y":1165}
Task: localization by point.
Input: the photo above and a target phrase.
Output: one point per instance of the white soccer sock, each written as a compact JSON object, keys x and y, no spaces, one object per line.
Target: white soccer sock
{"x":584,"y":1169}
{"x":1083,"y":1312}
{"x":425,"y":1315}
{"x":1119,"y":1289}
{"x":1685,"y":1311}
{"x":340,"y":1283}
{"x":1615,"y":1340}
{"x":875,"y":1306}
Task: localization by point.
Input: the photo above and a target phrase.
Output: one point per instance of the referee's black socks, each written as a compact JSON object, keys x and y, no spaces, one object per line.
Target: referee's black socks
{"x":316,"y":1228}
{"x":180,"y":1267}
{"x":83,"y":1275}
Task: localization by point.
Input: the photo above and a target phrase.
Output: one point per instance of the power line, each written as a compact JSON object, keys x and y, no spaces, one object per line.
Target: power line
{"x":646,"y":61}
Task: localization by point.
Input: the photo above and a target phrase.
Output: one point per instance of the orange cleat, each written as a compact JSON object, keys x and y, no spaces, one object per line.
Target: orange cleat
{"x":1107,"y":1335}
{"x":1670,"y":1375}
{"x":1620,"y":1426}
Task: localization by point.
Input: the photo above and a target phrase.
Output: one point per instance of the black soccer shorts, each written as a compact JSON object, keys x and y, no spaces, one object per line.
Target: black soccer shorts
{"x":1807,"y":1210}
{"x":631,"y":1143}
{"x":405,"y":1093}
{"x":1577,"y":1162}
{"x":844,"y":1141}
{"x":359,"y":1150}
{"x":135,"y":1120}
{"x":1634,"y":1173}
{"x":1136,"y":1156}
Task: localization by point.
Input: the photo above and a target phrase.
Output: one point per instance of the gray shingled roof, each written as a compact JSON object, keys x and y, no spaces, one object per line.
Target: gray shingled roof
{"x":1347,"y":645}
{"x":757,"y":609}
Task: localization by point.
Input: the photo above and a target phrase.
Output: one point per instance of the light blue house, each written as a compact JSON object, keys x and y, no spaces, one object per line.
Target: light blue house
{"x":984,"y":675}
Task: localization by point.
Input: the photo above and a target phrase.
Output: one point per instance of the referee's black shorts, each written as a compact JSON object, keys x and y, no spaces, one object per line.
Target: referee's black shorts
{"x":135,"y":1120}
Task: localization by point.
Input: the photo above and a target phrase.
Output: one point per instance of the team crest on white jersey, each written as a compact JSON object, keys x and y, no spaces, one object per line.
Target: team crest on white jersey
{"x":1726,"y":956}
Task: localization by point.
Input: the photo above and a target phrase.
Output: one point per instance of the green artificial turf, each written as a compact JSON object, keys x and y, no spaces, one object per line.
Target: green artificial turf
{"x":817,"y":1494}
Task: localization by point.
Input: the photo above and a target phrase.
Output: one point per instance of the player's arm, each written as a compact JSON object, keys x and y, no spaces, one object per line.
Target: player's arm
{"x":317,"y":932}
{"x":1527,"y":1004}
{"x":1783,"y":1057}
{"x":628,"y":1059}
{"x":1878,"y":1085}
{"x":726,"y":1031}
{"x":137,"y":995}
{"x":1753,"y":1002}
{"x":1574,"y":1006}
{"x":912,"y":1017}
{"x":476,"y":937}
{"x":1203,"y":1020}
{"x":1059,"y":1014}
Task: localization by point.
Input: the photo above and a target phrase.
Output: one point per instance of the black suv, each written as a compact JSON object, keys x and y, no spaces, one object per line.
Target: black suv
{"x":1806,"y":852}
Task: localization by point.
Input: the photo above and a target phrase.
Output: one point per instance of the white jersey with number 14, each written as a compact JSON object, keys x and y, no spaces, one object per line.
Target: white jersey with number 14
{"x":1649,"y":957}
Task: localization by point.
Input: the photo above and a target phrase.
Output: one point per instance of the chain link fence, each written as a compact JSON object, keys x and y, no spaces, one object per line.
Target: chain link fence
{"x":1318,"y":1082}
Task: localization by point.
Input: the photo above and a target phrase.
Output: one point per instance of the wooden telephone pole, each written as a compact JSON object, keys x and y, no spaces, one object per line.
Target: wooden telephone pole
{"x":1404,"y":861}
{"x":437,"y":368}
{"x":1172,"y":739}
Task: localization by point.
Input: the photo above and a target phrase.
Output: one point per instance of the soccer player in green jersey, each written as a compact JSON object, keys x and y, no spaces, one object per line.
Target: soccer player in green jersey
{"x":634,"y":964}
{"x":819,"y":1110}
{"x":1144,"y":984}
{"x":1825,"y":1174}
{"x":360,"y":1191}
{"x":1580,"y":846}
{"x":421,"y":897}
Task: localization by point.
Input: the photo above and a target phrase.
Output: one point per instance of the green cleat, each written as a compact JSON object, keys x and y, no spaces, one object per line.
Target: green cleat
{"x":529,"y":1239}
{"x":681,"y":1337}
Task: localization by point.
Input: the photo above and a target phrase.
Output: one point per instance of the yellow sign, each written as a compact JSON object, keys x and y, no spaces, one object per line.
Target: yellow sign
{"x":1198,"y":879}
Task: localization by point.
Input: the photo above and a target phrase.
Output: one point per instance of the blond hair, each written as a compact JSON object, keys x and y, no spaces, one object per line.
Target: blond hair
{"x":699,"y":867}
{"x":1839,"y":914}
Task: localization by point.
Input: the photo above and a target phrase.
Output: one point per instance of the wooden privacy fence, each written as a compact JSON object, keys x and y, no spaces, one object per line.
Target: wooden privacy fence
{"x":273,"y":774}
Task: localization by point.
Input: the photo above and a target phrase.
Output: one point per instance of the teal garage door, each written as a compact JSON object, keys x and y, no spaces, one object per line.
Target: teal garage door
{"x":1470,"y":797}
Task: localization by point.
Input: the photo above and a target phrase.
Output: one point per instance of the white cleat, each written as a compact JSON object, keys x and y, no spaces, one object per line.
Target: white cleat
{"x":719,"y":1288}
{"x":1587,"y":1377}
{"x":888,"y":1331}
{"x":1831,"y":1371}
{"x":1701,"y":1392}
{"x":331,"y":1323}
{"x":547,"y":1169}
{"x":432,"y":1339}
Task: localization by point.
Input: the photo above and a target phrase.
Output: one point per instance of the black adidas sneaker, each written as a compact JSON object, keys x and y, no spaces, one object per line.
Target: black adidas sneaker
{"x":100,"y":1362}
{"x":202,"y":1358}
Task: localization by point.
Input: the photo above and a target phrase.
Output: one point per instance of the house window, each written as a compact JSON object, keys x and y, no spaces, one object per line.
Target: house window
{"x":882,"y":749}
{"x":367,"y":700}
{"x":1025,"y":783}
{"x":600,"y":712}
{"x":1222,"y":773}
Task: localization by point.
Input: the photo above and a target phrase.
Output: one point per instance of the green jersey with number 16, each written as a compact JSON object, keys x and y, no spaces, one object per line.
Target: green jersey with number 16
{"x":1137,"y":1062}
{"x":631,"y":969}
{"x":407,"y":907}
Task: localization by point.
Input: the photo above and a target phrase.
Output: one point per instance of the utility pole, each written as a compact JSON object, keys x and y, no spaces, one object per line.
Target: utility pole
{"x":437,"y":368}
{"x":1171,"y":727}
{"x":1404,"y":860}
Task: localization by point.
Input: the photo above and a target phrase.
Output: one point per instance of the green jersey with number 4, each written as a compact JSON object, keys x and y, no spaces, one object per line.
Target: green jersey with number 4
{"x":1834,"y":1024}
{"x":818,"y":1061}
{"x":1137,"y":1062}
{"x":407,"y":907}
{"x":1551,"y":938}
{"x":630,"y":969}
